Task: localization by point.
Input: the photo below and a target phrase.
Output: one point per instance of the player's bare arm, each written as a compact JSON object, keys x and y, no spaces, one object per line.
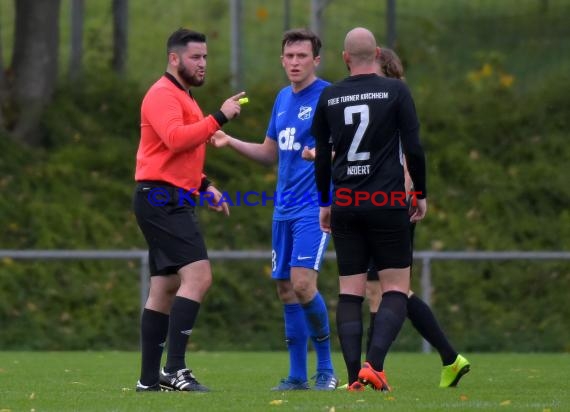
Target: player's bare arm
{"x":264,"y":153}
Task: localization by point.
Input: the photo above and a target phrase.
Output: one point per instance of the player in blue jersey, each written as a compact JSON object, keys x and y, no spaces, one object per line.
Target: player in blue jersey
{"x":298,"y":244}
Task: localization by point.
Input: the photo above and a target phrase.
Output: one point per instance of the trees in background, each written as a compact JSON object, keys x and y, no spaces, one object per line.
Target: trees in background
{"x":120,"y":15}
{"x":28,"y":83}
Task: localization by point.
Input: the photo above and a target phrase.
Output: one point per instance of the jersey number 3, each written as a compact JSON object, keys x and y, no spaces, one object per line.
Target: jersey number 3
{"x":349,"y":112}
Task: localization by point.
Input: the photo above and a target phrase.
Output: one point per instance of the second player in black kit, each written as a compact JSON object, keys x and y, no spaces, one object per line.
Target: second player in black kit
{"x":370,"y":123}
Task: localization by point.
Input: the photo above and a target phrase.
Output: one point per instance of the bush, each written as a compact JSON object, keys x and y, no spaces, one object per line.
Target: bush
{"x":494,"y":154}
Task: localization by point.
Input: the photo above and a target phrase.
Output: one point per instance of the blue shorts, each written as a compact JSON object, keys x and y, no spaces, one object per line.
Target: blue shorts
{"x":297,"y":243}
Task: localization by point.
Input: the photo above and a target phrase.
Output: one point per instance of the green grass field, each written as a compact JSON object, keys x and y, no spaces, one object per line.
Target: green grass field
{"x":240,"y":381}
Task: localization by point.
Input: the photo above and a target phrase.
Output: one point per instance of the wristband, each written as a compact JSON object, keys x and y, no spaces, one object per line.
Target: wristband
{"x":204,"y":185}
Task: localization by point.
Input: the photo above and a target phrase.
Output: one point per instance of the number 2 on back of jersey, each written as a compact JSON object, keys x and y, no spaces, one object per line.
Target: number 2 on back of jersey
{"x":349,"y":112}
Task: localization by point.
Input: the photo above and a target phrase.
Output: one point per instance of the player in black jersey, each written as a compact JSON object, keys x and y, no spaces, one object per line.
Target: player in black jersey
{"x":363,"y":118}
{"x":420,"y":314}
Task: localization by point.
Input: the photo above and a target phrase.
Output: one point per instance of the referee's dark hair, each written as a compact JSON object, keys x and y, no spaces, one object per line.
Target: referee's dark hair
{"x":181,"y":37}
{"x":295,"y":35}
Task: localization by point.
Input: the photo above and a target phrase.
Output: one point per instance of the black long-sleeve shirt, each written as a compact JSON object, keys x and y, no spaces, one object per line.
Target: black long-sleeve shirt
{"x":368,"y":121}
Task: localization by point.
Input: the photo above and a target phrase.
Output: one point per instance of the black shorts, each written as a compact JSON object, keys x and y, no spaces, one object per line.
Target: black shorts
{"x":372,"y":272}
{"x":169,"y":226}
{"x":380,"y":235}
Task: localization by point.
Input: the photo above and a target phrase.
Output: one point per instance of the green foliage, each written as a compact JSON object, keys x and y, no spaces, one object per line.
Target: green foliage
{"x":67,"y":306}
{"x":504,"y":302}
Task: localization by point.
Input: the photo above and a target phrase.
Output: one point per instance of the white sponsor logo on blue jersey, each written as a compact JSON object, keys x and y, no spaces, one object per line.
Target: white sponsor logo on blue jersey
{"x":286,"y":139}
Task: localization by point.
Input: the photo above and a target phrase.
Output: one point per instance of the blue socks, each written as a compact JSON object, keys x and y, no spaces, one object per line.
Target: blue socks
{"x":302,"y":321}
{"x":317,"y":319}
{"x":296,"y":336}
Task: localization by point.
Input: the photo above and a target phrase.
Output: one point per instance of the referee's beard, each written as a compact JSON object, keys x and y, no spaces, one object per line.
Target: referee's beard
{"x":190,"y":79}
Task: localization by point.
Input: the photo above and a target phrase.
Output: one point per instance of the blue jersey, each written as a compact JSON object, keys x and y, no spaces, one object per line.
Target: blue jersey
{"x":290,"y":127}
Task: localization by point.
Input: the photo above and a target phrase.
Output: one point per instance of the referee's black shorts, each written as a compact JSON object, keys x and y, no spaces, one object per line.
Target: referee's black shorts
{"x":380,"y":235}
{"x":170,"y":227}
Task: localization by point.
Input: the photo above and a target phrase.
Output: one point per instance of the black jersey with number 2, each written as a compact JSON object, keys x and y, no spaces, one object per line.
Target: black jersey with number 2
{"x":367,"y":120}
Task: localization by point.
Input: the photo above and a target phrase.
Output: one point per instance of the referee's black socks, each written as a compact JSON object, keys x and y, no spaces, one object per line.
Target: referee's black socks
{"x":154,"y":328}
{"x":182,"y":317}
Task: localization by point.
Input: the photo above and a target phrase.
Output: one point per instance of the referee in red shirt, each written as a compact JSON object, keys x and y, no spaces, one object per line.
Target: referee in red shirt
{"x":169,"y":167}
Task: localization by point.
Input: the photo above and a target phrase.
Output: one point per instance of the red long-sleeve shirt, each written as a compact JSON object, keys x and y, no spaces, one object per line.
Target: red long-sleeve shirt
{"x":174,"y":131}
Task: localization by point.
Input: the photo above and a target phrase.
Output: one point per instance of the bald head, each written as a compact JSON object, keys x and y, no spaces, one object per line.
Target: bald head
{"x":360,"y":46}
